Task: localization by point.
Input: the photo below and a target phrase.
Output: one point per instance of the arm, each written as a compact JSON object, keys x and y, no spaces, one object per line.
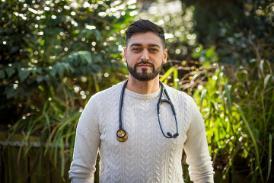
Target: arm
{"x":86,"y":146}
{"x":196,"y":148}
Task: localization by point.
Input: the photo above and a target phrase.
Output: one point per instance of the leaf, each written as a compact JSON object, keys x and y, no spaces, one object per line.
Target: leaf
{"x":269,"y":156}
{"x":266,"y":79}
{"x":98,"y":35}
{"x":61,"y":69}
{"x":210,"y":53}
{"x":228,"y":96}
{"x":203,"y":95}
{"x":197,"y":52}
{"x":10,"y":71}
{"x":253,"y":138}
{"x":39,"y":79}
{"x":23,"y":74}
{"x":58,"y":69}
{"x":2,"y":74}
{"x":85,"y":56}
{"x":79,"y":58}
{"x":261,"y":67}
{"x":167,"y":74}
{"x":10,"y":92}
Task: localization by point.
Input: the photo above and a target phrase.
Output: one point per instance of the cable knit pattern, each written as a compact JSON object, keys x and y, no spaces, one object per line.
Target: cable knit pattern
{"x":147,"y":156}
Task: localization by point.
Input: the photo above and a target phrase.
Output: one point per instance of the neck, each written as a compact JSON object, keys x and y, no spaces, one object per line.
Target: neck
{"x":143,"y":87}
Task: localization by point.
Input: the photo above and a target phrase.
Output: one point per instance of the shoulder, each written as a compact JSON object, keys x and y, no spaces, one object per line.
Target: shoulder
{"x":180,"y":96}
{"x":186,"y":107}
{"x":107,"y":95}
{"x":104,"y":99}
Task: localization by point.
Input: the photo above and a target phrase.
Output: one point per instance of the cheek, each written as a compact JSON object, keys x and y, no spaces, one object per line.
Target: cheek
{"x":132,"y":58}
{"x":160,"y":59}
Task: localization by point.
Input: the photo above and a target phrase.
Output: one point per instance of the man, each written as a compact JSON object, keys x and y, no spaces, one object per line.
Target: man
{"x":140,"y":126}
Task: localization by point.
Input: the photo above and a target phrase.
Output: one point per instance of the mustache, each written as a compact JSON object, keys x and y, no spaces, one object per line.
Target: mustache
{"x":146,"y":62}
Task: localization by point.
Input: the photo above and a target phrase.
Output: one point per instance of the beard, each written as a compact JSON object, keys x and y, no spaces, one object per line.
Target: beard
{"x":144,"y":74}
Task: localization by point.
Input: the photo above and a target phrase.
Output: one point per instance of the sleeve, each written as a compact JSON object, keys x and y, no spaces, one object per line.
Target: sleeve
{"x":87,"y":141}
{"x":196,"y":148}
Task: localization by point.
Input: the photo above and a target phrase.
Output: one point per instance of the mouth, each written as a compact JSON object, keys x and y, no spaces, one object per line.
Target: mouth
{"x":144,"y":65}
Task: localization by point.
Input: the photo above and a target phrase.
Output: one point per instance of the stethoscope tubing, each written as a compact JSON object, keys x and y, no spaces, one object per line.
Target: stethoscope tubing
{"x":121,"y":105}
{"x":122,"y":134}
{"x":168,"y":100}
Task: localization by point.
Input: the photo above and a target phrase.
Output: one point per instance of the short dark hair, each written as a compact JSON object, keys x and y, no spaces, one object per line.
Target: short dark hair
{"x":143,"y":26}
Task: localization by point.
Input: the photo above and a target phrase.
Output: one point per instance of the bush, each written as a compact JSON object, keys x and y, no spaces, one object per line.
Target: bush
{"x":54,"y":55}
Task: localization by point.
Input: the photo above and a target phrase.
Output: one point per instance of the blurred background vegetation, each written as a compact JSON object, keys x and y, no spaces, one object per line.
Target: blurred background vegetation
{"x":55,"y":54}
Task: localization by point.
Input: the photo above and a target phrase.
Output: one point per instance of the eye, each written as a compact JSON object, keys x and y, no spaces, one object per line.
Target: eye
{"x":136,"y":49}
{"x":153,"y":50}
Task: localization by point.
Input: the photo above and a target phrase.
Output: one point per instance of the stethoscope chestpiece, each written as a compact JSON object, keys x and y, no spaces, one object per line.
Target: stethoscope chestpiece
{"x":121,"y":135}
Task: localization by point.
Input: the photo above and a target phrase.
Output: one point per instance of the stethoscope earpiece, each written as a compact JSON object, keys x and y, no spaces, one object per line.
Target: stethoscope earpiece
{"x":172,"y":136}
{"x":169,"y":134}
{"x":175,"y":135}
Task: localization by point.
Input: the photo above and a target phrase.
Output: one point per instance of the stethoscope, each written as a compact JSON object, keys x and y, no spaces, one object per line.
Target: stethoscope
{"x":121,"y":133}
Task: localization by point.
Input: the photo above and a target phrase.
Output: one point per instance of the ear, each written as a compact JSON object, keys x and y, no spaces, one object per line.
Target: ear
{"x":165,"y":56}
{"x":125,"y":53}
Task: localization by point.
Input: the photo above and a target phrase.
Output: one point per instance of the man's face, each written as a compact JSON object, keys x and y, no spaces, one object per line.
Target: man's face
{"x":145,"y":55}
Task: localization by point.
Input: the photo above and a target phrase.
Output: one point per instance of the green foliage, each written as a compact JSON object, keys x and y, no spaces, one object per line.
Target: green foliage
{"x":49,"y":44}
{"x":240,"y":140}
{"x":255,"y":93}
{"x":240,"y":30}
{"x":238,"y":115}
{"x":242,"y":34}
{"x":225,"y":132}
{"x":54,"y":55}
{"x":178,"y":26}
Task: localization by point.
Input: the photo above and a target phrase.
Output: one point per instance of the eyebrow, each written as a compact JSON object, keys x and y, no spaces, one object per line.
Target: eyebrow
{"x":149,"y":45}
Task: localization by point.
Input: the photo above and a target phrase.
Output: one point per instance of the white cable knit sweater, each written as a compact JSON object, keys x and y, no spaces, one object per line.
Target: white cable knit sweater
{"x":147,"y":156}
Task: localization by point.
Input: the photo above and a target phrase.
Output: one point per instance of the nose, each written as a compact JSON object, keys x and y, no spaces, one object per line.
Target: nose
{"x":145,"y":55}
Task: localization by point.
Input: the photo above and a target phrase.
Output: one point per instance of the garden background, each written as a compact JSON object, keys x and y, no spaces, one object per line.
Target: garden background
{"x":55,"y":54}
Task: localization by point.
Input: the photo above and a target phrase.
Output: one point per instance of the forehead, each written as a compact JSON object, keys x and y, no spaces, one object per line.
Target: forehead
{"x":148,"y":38}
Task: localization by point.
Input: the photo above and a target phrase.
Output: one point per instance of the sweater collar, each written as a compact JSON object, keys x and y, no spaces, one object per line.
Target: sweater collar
{"x":142,"y":96}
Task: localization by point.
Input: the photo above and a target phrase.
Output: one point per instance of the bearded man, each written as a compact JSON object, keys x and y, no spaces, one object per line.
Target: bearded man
{"x":141,"y":126}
